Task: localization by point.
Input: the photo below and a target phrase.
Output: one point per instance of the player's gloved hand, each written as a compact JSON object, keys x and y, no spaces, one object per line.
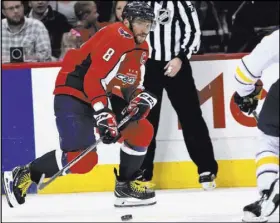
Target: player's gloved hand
{"x":249,"y":102}
{"x":107,"y":125}
{"x":142,"y":103}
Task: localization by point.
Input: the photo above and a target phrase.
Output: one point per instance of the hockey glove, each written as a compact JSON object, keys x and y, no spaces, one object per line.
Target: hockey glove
{"x":142,"y":103}
{"x":249,"y":102}
{"x":107,"y":125}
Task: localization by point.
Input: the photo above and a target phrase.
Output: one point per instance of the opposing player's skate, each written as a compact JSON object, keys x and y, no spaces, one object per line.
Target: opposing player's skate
{"x":207,"y":180}
{"x":133,"y":193}
{"x":252,"y":212}
{"x":16,"y":184}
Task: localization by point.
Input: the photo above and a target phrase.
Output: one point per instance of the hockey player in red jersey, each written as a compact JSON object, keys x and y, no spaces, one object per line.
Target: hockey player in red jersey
{"x":126,"y":91}
{"x":112,"y":57}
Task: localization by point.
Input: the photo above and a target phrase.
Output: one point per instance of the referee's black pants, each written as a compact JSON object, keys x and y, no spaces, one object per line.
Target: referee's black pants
{"x":183,"y":95}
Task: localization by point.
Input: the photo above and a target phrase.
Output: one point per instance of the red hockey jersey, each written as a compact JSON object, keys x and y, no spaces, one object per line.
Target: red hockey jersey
{"x":130,"y":76}
{"x":84,"y":70}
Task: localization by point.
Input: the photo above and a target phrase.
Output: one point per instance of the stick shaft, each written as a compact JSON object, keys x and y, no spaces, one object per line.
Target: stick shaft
{"x":256,"y":116}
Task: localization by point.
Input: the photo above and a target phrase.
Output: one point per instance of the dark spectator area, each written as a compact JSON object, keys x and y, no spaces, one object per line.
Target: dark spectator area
{"x":226,"y":26}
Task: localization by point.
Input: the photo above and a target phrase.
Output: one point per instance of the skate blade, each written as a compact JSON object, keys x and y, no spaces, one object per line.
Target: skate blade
{"x":134,"y":202}
{"x":249,"y":217}
{"x":7,"y":179}
{"x":209,"y":185}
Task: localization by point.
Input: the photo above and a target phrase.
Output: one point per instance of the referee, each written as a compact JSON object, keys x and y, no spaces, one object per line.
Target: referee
{"x":174,"y":39}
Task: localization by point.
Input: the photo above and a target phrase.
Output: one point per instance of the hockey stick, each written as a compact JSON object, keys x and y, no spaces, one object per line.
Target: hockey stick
{"x":256,"y":116}
{"x":41,"y":185}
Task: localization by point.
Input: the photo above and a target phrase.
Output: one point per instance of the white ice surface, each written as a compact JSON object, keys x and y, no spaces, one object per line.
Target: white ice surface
{"x":219,"y":205}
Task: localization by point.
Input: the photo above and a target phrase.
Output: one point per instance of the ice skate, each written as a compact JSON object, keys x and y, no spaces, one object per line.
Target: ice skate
{"x":252,"y":212}
{"x":207,"y":180}
{"x":133,"y":193}
{"x":16,"y":184}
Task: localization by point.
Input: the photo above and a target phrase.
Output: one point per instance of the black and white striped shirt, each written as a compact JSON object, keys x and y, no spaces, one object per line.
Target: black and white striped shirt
{"x":177,"y":32}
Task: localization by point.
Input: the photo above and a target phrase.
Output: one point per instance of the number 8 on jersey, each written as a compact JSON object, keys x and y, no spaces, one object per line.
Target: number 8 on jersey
{"x":109,"y":53}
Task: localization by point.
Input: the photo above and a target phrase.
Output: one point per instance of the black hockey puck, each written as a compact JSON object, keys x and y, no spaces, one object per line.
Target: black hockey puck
{"x":126,"y":217}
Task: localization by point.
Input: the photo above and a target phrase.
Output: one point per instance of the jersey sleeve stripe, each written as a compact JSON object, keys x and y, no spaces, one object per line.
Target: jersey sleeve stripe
{"x":268,"y":160}
{"x":243,"y":77}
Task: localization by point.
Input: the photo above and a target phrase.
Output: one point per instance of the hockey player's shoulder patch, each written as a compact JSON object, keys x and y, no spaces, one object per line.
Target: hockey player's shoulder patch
{"x":122,"y":32}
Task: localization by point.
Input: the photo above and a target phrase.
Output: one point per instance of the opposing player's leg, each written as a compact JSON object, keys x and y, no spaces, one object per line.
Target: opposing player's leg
{"x":75,"y":126}
{"x":271,"y":126}
{"x":128,"y":190}
{"x":267,"y":158}
{"x":267,"y":163}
